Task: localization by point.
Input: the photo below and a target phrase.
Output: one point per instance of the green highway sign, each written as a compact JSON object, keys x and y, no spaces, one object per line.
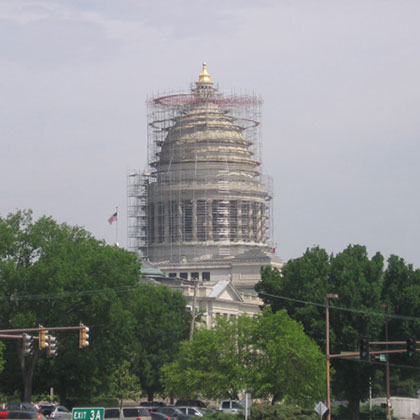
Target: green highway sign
{"x":88,"y":413}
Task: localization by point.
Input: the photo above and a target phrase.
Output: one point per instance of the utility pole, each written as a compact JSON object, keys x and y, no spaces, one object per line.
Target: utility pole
{"x":327,"y":350}
{"x":193,"y":310}
{"x":388,"y":385}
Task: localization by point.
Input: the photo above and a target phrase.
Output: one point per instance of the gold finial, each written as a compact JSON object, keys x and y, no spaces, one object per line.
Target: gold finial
{"x":204,"y":75}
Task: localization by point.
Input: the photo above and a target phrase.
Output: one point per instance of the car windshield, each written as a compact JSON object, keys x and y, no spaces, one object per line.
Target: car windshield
{"x":111,"y":413}
{"x":236,"y":405}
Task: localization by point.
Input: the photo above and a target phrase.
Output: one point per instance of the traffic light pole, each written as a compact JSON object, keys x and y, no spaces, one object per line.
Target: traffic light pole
{"x":388,"y":385}
{"x":327,"y":350}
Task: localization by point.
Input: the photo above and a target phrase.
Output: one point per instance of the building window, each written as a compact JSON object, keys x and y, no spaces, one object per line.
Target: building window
{"x":161,"y":222}
{"x":172,"y":275}
{"x":205,"y":275}
{"x":195,"y":276}
{"x":187,"y":220}
{"x":201,"y":220}
{"x":183,"y":276}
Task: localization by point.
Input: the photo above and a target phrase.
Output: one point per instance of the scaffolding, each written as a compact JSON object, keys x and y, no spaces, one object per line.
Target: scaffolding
{"x":203,"y":193}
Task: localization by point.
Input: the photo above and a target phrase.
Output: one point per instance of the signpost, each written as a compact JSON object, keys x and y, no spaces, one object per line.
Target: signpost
{"x":88,"y":413}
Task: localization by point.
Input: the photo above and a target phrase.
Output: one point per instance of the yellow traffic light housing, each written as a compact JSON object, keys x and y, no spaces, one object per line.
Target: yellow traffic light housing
{"x":84,"y":336}
{"x":42,"y":339}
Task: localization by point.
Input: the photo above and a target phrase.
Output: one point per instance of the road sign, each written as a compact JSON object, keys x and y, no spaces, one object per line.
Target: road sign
{"x":88,"y":413}
{"x":321,"y":408}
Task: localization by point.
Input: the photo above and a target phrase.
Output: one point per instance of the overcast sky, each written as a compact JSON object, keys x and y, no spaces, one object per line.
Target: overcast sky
{"x":341,"y":114}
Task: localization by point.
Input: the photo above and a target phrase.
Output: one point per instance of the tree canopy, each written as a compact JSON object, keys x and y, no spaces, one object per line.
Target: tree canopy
{"x":262,"y":355}
{"x":57,"y":275}
{"x":301,"y":288}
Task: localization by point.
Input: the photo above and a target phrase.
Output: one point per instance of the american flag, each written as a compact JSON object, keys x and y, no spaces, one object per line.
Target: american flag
{"x":113,"y":218}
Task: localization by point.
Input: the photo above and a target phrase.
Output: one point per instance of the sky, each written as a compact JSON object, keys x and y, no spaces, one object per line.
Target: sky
{"x":341,"y":113}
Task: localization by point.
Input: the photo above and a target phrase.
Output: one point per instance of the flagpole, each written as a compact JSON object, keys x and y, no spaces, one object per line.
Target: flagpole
{"x":116,"y":228}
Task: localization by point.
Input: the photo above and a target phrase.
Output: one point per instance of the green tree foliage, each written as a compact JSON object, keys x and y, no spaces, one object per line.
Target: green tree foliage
{"x":282,"y":352}
{"x":260,"y":355}
{"x":282,"y":412}
{"x":161,"y":324}
{"x":401,"y":292}
{"x":358,"y":281}
{"x":125,"y":385}
{"x":2,"y":361}
{"x":301,"y":288}
{"x":56,"y":275}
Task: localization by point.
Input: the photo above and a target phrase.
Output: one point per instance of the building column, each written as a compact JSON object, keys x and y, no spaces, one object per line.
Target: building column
{"x":259,"y":224}
{"x":166,"y":238}
{"x":179,"y":220}
{"x":239,"y":217}
{"x":251,"y":222}
{"x":194,"y":220}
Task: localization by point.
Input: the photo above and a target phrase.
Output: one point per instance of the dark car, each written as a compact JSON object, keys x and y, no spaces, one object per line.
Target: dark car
{"x":23,"y":406}
{"x":159,"y":416}
{"x":172,"y":412}
{"x":46,"y":409}
{"x":191,"y":403}
{"x":25,"y":415}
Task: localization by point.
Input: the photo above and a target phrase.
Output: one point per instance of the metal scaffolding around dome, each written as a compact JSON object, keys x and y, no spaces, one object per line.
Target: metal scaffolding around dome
{"x":203,"y":194}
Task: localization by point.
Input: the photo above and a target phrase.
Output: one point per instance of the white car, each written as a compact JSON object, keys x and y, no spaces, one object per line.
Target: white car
{"x":192,"y":411}
{"x":61,"y":413}
{"x":231,"y":407}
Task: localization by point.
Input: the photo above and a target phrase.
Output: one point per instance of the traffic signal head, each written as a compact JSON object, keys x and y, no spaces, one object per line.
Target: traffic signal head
{"x":84,"y":336}
{"x":42,"y":339}
{"x":364,"y":348}
{"x":52,"y":346}
{"x":27,"y":342}
{"x":411,"y":347}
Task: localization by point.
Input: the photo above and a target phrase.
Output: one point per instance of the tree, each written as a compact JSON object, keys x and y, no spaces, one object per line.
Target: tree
{"x":214,"y":363}
{"x":57,"y":275}
{"x":260,"y":355}
{"x":358,"y":281}
{"x":301,"y":288}
{"x":301,"y":283}
{"x":125,"y":384}
{"x":401,"y":293}
{"x":161,"y":324}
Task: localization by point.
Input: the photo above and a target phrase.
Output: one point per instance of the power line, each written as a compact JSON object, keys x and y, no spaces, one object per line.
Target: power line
{"x":340,"y":308}
{"x":64,"y":294}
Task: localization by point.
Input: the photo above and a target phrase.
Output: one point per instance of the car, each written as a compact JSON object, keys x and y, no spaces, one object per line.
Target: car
{"x":46,"y":408}
{"x":192,"y":411}
{"x":128,"y":413}
{"x":21,"y":406}
{"x":172,"y":412}
{"x":159,"y":416}
{"x":25,"y":415}
{"x":190,"y":403}
{"x":60,"y":413}
{"x":231,"y":407}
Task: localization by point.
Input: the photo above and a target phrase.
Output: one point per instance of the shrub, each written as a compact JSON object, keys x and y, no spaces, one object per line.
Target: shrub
{"x":282,"y":412}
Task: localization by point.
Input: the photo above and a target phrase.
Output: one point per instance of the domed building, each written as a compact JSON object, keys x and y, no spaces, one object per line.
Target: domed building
{"x":202,"y":209}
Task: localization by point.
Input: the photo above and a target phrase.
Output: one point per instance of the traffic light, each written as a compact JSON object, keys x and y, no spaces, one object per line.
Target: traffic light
{"x":411,"y":347}
{"x":364,"y":348}
{"x":27,"y":341}
{"x":42,"y":339}
{"x":84,"y":336}
{"x":52,"y":346}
